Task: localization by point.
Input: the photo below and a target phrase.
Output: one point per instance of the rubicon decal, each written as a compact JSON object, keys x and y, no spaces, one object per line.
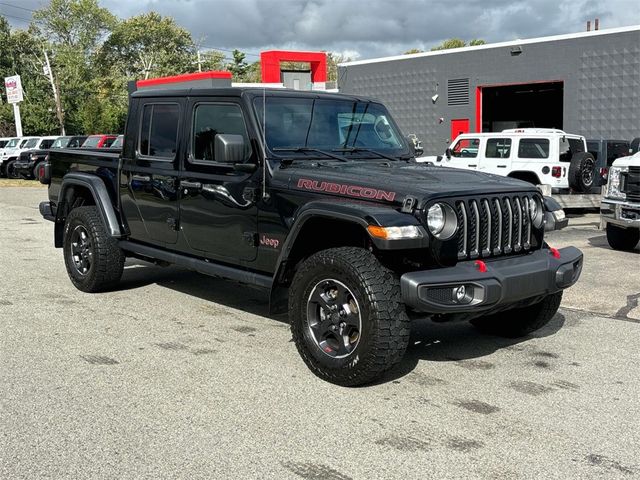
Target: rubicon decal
{"x":350,"y":190}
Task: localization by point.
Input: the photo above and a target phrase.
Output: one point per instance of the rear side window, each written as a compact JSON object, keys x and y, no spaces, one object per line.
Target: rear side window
{"x":214,"y":119}
{"x":569,"y":147}
{"x":498,"y":148}
{"x":75,"y":142}
{"x":46,"y":144}
{"x":466,"y":148}
{"x":533,"y":148}
{"x":159,"y":130}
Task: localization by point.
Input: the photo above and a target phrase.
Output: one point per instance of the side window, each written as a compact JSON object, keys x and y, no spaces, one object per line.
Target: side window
{"x":533,"y":148}
{"x":46,"y":144}
{"x":616,"y":150}
{"x":211,"y":119}
{"x":498,"y":148}
{"x":466,"y":148}
{"x":159,"y":130}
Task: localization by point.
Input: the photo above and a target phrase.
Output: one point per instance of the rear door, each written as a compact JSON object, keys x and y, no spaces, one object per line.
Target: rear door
{"x":496,"y":156}
{"x":150,"y":170}
{"x":218,"y":212}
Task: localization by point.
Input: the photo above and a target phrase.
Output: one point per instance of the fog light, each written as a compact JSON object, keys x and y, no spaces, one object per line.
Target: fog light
{"x":463,"y":294}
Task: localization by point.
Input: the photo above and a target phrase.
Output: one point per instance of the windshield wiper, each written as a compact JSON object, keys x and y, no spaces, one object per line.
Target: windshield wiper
{"x":305,"y":150}
{"x":369,"y":150}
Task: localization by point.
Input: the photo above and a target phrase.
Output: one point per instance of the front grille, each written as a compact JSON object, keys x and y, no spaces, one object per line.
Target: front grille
{"x":632,"y":185}
{"x":494,"y":226}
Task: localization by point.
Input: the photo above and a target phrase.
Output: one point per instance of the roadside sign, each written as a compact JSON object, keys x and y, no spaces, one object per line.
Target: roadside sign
{"x":13,"y":86}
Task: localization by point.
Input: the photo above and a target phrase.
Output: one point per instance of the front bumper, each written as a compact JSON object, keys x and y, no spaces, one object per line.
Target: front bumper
{"x":505,"y":281}
{"x":619,"y":212}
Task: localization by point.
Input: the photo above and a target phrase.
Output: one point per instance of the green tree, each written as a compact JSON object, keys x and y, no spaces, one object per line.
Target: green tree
{"x":412,"y":50}
{"x":333,"y":60}
{"x":238,"y":66}
{"x":457,"y":43}
{"x":149,"y":45}
{"x":212,"y":60}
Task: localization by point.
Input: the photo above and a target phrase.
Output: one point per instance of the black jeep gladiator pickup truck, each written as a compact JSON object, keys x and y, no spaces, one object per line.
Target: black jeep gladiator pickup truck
{"x":318,"y":198}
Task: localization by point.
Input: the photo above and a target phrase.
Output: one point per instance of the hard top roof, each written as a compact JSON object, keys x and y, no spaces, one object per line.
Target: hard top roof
{"x":245,"y":91}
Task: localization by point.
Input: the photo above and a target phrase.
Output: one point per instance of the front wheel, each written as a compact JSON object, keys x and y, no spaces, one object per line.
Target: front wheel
{"x":36,"y":171}
{"x":347,"y":317}
{"x":622,"y":238}
{"x":519,"y":322}
{"x":93,"y":259}
{"x":10,"y":170}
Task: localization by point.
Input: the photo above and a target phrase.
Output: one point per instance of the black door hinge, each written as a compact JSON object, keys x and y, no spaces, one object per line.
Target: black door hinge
{"x":250,"y":194}
{"x":172,"y":223}
{"x":251,"y":238}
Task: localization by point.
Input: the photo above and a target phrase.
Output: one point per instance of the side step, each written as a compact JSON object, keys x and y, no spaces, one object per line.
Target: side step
{"x":208,"y":268}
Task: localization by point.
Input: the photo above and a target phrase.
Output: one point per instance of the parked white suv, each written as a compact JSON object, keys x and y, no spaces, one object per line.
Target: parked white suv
{"x":10,"y":155}
{"x":620,"y":207}
{"x":536,"y":155}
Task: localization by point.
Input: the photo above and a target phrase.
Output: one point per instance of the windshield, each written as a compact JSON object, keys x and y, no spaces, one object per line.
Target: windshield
{"x":12,"y":143}
{"x":92,"y":141}
{"x":32,"y":142}
{"x":60,"y":142}
{"x":328,"y":124}
{"x":117,"y":143}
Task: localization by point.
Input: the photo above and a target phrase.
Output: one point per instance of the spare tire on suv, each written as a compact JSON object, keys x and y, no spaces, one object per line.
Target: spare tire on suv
{"x":582,"y":172}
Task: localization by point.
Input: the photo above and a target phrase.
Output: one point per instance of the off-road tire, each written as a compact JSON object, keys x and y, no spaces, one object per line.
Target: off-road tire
{"x":107,"y":259}
{"x":34,"y":172}
{"x":9,"y":171}
{"x":582,"y":173}
{"x":385,"y":329}
{"x":622,"y":238}
{"x":520,"y":322}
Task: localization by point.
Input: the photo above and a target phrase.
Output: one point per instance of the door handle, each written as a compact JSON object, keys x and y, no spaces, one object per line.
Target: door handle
{"x":502,"y":166}
{"x":472,"y":165}
{"x":187,"y":184}
{"x":141,"y":178}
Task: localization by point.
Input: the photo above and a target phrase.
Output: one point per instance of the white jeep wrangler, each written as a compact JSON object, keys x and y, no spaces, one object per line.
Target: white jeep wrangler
{"x":536,"y":155}
{"x":620,"y":207}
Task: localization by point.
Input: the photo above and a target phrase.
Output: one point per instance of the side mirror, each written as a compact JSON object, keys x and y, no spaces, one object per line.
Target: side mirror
{"x":447,"y":153}
{"x":229,"y":148}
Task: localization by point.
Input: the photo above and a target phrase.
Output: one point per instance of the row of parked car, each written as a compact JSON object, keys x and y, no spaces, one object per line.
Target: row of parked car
{"x":21,"y":157}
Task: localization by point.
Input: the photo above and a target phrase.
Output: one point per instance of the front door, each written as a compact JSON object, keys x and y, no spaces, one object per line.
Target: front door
{"x":150,"y":170}
{"x":218,"y":212}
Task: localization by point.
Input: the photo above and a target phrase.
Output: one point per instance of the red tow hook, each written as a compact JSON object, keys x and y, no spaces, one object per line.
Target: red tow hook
{"x":481,"y":266}
{"x":555,"y":252}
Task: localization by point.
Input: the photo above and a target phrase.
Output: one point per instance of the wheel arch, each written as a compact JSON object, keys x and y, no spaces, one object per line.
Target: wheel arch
{"x":525,"y":176}
{"x":79,"y":189}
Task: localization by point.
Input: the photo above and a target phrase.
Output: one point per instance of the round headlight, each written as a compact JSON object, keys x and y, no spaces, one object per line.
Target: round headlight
{"x":536,"y":213}
{"x":442,"y":221}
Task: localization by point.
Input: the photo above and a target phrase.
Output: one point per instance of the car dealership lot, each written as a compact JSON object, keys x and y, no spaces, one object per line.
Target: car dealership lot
{"x":181,"y":375}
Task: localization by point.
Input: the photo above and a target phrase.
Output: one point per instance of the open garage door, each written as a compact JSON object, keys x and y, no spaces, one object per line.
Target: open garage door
{"x":521,"y":106}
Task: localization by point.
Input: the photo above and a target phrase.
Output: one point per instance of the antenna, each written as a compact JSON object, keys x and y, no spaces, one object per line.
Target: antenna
{"x":265,"y":193}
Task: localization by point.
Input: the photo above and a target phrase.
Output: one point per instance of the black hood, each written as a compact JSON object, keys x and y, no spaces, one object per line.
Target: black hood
{"x":392,"y":181}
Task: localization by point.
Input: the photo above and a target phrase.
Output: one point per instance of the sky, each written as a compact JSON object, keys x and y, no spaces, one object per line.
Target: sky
{"x":361,"y":29}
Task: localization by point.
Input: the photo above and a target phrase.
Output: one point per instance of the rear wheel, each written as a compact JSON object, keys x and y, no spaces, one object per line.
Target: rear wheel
{"x":93,"y":259}
{"x":347,"y":318}
{"x":10,"y":169}
{"x":36,"y":171}
{"x":622,"y":238}
{"x":582,"y":172}
{"x":519,"y":322}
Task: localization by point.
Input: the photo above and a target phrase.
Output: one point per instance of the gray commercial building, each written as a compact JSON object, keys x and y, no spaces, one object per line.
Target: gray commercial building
{"x":586,"y":83}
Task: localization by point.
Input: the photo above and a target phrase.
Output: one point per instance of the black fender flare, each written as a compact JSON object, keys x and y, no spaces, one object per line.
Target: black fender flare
{"x":100,"y":194}
{"x":361,"y":214}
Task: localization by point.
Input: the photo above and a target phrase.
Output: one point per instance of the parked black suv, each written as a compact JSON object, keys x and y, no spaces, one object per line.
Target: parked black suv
{"x":316,"y":197}
{"x":29,"y":162}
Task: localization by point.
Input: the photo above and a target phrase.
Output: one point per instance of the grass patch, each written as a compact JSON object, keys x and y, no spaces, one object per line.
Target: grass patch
{"x":15,"y":182}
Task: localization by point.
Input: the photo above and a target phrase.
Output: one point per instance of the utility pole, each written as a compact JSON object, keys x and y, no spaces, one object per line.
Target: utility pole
{"x":199,"y":62}
{"x":56,"y":96}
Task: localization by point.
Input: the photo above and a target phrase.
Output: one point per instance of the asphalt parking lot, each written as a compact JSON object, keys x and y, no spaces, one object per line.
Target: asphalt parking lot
{"x":177,"y":375}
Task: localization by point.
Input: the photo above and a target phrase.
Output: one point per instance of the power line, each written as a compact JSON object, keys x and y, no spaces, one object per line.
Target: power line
{"x":14,"y":17}
{"x":16,"y":6}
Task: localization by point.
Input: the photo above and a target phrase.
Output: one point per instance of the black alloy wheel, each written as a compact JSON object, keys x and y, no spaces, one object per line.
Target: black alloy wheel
{"x":81,"y":250}
{"x":334,"y":319}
